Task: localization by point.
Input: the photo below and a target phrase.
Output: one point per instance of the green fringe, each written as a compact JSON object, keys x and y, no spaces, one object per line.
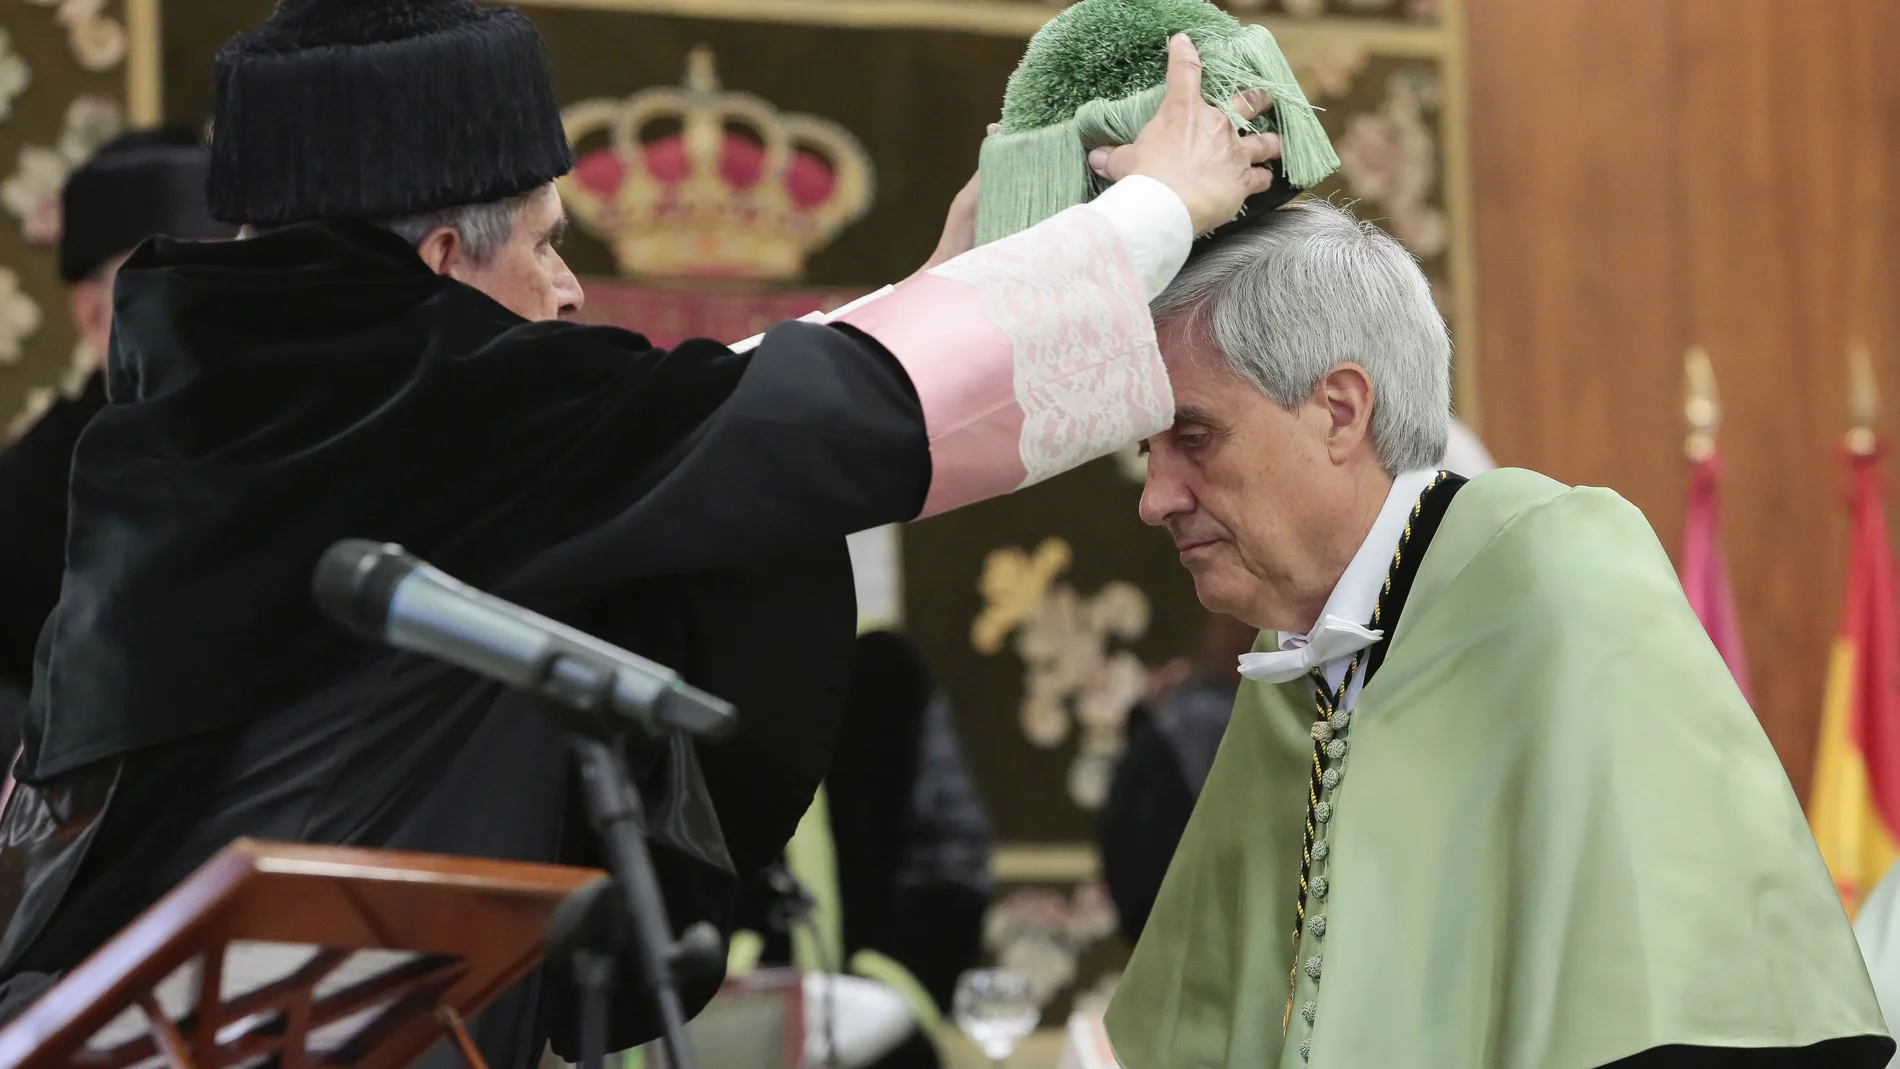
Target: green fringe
{"x":1031,"y":175}
{"x":1305,"y":152}
{"x":1028,"y":177}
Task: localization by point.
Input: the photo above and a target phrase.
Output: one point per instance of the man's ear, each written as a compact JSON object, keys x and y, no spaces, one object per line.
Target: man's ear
{"x":92,"y":315}
{"x":92,"y":307}
{"x":441,"y":249}
{"x":1347,"y":392}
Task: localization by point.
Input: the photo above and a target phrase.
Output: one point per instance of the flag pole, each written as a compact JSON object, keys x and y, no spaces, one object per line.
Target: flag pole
{"x":1701,"y":406}
{"x":1704,"y":571}
{"x":1863,"y":401}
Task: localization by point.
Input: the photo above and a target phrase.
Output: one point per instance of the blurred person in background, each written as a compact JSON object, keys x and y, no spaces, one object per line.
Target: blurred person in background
{"x":888,"y":876}
{"x":139,"y":184}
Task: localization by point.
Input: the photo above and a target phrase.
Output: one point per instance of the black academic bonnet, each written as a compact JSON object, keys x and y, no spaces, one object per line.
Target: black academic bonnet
{"x":1254,"y":211}
{"x":138,"y":185}
{"x":354,"y":109}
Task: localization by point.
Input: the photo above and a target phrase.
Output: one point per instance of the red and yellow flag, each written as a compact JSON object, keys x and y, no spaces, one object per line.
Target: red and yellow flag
{"x":1854,"y":804}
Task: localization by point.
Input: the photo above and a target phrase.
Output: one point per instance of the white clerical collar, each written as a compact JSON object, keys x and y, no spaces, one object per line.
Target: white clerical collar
{"x":1357,"y":592}
{"x":1339,"y":631}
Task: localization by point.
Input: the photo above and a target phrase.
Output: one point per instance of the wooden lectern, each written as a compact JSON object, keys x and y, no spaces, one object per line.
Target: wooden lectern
{"x":308,"y":956}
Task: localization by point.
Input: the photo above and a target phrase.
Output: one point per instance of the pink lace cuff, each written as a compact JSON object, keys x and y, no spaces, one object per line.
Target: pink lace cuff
{"x":1031,"y":355}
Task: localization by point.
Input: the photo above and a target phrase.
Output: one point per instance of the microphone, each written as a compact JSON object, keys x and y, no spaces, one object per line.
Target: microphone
{"x":384,"y":593}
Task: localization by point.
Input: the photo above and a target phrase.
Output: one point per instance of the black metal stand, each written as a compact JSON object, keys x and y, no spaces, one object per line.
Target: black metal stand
{"x":615,"y":809}
{"x":605,"y":918}
{"x":593,"y":978}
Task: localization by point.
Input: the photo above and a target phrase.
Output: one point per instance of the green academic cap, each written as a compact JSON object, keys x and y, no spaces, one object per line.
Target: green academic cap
{"x":1095,"y":74}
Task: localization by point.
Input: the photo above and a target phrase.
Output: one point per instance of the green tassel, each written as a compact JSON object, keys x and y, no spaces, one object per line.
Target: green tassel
{"x":1117,"y":122}
{"x":1031,"y":174}
{"x":1305,"y":152}
{"x":1028,"y":177}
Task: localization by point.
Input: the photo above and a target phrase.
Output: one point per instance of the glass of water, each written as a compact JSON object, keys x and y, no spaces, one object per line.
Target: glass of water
{"x":997,"y":1009}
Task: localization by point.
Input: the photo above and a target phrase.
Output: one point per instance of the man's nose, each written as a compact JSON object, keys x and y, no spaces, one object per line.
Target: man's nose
{"x":1163,"y":494}
{"x":567,"y":290}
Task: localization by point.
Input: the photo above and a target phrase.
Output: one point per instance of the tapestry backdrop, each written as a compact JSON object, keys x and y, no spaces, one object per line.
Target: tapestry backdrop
{"x":64,"y":68}
{"x":764,"y":160}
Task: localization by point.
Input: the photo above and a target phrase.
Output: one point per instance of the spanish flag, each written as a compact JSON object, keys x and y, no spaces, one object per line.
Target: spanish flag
{"x":1854,"y":805}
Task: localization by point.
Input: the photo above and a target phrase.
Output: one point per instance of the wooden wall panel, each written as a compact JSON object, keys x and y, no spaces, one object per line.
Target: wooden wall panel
{"x":1573,"y":236}
{"x":1649,"y":174}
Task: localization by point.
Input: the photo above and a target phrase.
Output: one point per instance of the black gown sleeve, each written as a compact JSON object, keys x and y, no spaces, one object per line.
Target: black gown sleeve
{"x":1141,"y":824}
{"x":550,"y":464}
{"x":33,"y":477}
{"x":34,"y":472}
{"x":820,"y":435}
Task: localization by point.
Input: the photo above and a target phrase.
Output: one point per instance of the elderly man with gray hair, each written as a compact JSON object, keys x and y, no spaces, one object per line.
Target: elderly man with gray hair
{"x":1489,"y":796}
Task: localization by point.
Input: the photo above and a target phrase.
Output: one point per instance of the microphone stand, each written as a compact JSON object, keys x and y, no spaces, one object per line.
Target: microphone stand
{"x":618,"y":816}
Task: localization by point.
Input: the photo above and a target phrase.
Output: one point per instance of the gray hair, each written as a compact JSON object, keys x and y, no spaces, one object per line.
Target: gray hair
{"x":1293,"y":296}
{"x":483,"y":228}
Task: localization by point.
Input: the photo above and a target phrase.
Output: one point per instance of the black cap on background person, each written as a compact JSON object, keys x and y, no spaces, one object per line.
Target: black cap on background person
{"x":139,"y":184}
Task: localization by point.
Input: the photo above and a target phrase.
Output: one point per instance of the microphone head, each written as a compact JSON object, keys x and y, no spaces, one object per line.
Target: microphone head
{"x":693,"y":711}
{"x":355,"y":580}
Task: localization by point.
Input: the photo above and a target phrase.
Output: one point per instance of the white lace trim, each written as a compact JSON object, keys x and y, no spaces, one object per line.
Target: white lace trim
{"x":1088,"y":374}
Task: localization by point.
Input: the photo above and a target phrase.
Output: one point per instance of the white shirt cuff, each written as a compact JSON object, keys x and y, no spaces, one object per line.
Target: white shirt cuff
{"x":1154,"y":227}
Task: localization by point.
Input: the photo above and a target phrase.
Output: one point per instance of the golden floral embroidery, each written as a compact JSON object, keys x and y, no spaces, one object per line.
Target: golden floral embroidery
{"x":1389,"y":157}
{"x":1043,"y":933}
{"x":38,"y":400}
{"x":98,"y":41}
{"x":1073,"y":682}
{"x":31,"y":193}
{"x":91,"y":121}
{"x":79,"y":368}
{"x":19,"y":316}
{"x":1327,"y":66}
{"x":15,"y":75}
{"x":1013,"y":584}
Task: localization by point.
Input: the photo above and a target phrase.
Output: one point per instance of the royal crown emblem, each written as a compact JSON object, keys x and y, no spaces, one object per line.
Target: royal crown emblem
{"x":741,"y":191}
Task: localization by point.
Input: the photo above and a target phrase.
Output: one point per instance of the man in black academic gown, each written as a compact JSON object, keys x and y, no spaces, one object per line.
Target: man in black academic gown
{"x":139,"y":184}
{"x":381,"y":358}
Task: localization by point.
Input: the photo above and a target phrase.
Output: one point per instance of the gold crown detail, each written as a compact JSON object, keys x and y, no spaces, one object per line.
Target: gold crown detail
{"x":710,"y":202}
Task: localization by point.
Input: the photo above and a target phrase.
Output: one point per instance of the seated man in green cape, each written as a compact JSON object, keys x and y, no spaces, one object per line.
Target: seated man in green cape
{"x":1489,"y":796}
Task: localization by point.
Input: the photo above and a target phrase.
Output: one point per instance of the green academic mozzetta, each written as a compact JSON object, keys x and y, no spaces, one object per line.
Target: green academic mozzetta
{"x":1562,"y":839}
